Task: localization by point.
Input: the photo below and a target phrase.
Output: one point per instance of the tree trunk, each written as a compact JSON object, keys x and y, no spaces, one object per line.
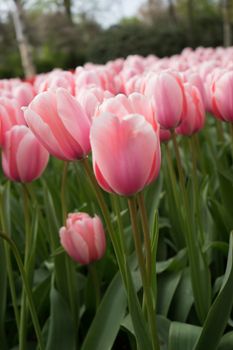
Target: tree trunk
{"x":23,"y":44}
{"x":226,"y":8}
{"x":190,"y":11}
{"x":172,"y":12}
{"x":67,"y":6}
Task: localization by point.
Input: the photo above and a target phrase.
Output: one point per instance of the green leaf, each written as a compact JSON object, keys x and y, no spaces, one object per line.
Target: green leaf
{"x":183,"y":298}
{"x":167,"y":284}
{"x":107,"y":321}
{"x":226,"y":342}
{"x":173,"y":264}
{"x":61,"y":335}
{"x":183,"y":336}
{"x":219,"y":312}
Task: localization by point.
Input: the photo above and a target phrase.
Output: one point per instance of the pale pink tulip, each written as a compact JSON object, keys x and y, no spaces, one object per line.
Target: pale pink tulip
{"x":135,"y":103}
{"x":23,"y":157}
{"x":60,"y":124}
{"x":83,"y":237}
{"x":10,"y":114}
{"x":126,"y":152}
{"x":222,"y":97}
{"x":166,"y":90}
{"x":24,"y":93}
{"x":193,"y":119}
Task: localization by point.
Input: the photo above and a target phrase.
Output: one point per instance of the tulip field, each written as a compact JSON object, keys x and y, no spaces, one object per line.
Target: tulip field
{"x":116,"y":205}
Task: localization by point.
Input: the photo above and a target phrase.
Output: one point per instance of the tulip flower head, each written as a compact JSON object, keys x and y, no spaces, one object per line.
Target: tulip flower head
{"x":126,"y":152}
{"x":23,"y":158}
{"x":83,"y":237}
{"x":60,"y":124}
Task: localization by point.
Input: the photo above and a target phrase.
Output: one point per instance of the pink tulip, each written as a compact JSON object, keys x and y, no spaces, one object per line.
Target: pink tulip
{"x":60,"y":124}
{"x":194,"y":118}
{"x":91,"y":98}
{"x":10,"y":114}
{"x":23,"y":157}
{"x":164,"y":135}
{"x":83,"y":237}
{"x":166,"y":90}
{"x":24,"y":93}
{"x":222,"y":97}
{"x":135,"y":103}
{"x":126,"y":152}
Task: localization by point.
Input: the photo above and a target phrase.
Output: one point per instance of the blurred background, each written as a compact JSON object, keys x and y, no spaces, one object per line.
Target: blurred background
{"x":38,"y":35}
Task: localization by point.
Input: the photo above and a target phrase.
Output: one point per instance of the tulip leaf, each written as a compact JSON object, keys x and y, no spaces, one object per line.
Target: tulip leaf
{"x":219,"y":312}
{"x":107,"y":321}
{"x":183,"y":336}
{"x":226,"y":342}
{"x":61,"y":334}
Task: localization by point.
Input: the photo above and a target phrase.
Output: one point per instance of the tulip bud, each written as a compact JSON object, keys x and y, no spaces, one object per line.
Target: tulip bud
{"x":23,"y":157}
{"x":60,"y":124}
{"x":83,"y":237}
{"x":126,"y":152}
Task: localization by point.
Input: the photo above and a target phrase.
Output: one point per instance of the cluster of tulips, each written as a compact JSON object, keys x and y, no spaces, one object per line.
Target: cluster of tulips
{"x":112,"y":122}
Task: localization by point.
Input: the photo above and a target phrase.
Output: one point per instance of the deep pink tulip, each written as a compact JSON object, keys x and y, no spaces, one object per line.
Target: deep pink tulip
{"x":164,"y":135}
{"x":193,"y":119}
{"x":222,"y":97}
{"x":126,"y":152}
{"x":166,"y":90}
{"x":23,"y":157}
{"x":10,"y":114}
{"x":60,"y":124}
{"x":83,"y":237}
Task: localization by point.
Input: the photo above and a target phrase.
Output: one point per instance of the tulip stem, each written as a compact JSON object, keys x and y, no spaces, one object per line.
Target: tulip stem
{"x":197,"y":198}
{"x":9,"y":268}
{"x":70,"y":270}
{"x":23,"y":312}
{"x":27,"y":288}
{"x":95,"y":283}
{"x":231,"y":128}
{"x":119,"y":249}
{"x":145,"y":282}
{"x":198,"y":266}
{"x":146,"y":233}
{"x":180,"y":238}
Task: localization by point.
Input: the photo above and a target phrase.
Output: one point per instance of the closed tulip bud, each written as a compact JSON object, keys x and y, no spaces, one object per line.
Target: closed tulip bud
{"x":60,"y":124}
{"x":193,"y":119}
{"x":10,"y":115}
{"x":222,"y":96}
{"x":23,"y":157}
{"x":83,"y":237}
{"x":166,"y":91}
{"x":126,"y":152}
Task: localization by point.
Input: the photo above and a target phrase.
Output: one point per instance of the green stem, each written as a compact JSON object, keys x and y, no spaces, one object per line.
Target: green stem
{"x":95,"y":283}
{"x":145,"y":282}
{"x":9,"y":268}
{"x":197,"y":197}
{"x":70,"y":270}
{"x":146,"y":233}
{"x":23,"y":312}
{"x":231,"y":128}
{"x":199,"y":269}
{"x":220,"y":130}
{"x":27,"y":289}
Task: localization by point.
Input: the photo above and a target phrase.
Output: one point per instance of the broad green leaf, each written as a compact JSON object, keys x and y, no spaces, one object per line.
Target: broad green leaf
{"x":107,"y":321}
{"x":61,"y":334}
{"x":173,"y":264}
{"x":219,"y":312}
{"x":183,"y":336}
{"x":226,"y":342}
{"x":183,"y":298}
{"x":167,"y":285}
